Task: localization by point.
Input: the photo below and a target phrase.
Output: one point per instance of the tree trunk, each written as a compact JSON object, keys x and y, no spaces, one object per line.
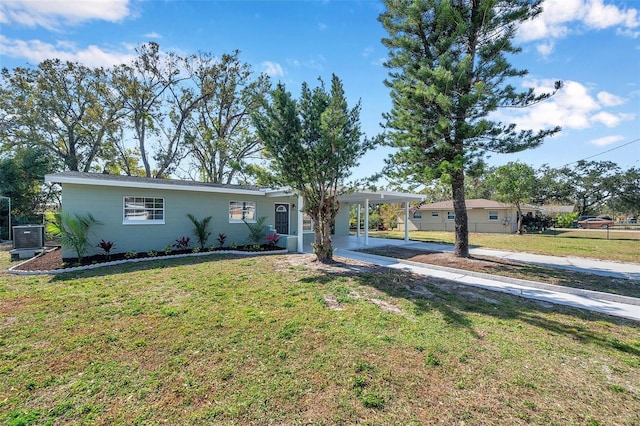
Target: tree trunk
{"x":461,"y":248}
{"x":322,"y":246}
{"x":520,"y":220}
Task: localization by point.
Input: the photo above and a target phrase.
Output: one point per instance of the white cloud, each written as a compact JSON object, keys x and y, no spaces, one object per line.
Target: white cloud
{"x":606,"y":118}
{"x":272,"y":69}
{"x":562,"y":17}
{"x":546,"y":49}
{"x":315,"y":62}
{"x":608,"y":140}
{"x":573,"y":107}
{"x":600,"y":16}
{"x":367,"y":52}
{"x":36,"y":51}
{"x":607,"y":99}
{"x":294,"y":63}
{"x":54,"y":15}
{"x":153,"y":35}
{"x":380,"y":61}
{"x":322,"y":26}
{"x":628,"y":33}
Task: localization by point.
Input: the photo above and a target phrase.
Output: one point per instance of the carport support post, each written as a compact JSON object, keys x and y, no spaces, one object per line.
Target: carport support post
{"x":300,"y":225}
{"x":366,"y":222}
{"x":358,"y":223}
{"x":406,"y":221}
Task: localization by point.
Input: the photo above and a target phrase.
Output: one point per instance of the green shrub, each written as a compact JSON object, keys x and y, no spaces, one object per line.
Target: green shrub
{"x":72,"y":231}
{"x":201,"y":229}
{"x":257,"y":231}
{"x":566,"y":220}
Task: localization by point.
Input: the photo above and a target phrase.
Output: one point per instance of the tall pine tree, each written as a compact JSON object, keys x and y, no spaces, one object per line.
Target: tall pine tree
{"x":448,"y":71}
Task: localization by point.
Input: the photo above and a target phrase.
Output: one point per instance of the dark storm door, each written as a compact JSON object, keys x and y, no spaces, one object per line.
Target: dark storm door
{"x":282,"y":219}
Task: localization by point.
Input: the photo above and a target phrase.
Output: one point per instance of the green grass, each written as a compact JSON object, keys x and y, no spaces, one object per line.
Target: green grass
{"x":223,"y":340}
{"x":621,"y":246}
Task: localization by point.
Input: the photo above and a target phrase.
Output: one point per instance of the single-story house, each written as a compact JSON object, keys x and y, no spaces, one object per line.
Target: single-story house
{"x":141,"y":214}
{"x":483,"y":216}
{"x":556,"y":210}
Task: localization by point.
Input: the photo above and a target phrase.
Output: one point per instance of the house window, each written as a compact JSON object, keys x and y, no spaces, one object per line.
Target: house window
{"x":143,"y":210}
{"x":307,"y":223}
{"x":493,"y":215}
{"x":417,"y":215}
{"x":451,"y":215}
{"x":242,"y":211}
{"x":435,"y":214}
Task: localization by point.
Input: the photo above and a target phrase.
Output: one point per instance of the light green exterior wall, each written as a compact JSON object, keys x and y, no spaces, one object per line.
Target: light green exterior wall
{"x":341,"y":228}
{"x":342,"y":221}
{"x":106,"y":204}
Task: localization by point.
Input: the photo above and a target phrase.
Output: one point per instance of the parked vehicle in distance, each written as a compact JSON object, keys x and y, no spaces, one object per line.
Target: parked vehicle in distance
{"x":595,"y":222}
{"x":632,"y":219}
{"x":580,"y":219}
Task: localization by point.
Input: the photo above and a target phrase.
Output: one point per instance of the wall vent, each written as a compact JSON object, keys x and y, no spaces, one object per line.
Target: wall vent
{"x":28,"y":236}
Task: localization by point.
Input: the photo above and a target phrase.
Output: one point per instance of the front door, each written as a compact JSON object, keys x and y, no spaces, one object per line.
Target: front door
{"x":282,"y":219}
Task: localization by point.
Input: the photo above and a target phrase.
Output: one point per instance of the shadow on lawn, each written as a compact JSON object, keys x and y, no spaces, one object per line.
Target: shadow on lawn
{"x":454,"y":301}
{"x":457,"y":302}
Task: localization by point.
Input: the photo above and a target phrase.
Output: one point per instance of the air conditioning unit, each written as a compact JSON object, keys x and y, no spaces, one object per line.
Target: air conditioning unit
{"x":28,"y":236}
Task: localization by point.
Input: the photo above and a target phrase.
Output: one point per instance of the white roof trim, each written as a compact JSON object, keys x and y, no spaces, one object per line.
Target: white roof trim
{"x":149,"y":185}
{"x":380,"y":196}
{"x":104,"y":181}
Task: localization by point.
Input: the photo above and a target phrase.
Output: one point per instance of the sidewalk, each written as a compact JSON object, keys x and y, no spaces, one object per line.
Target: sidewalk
{"x":607,"y":303}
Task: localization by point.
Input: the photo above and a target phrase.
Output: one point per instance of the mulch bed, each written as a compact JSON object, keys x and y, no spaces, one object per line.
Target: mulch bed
{"x":52,"y":259}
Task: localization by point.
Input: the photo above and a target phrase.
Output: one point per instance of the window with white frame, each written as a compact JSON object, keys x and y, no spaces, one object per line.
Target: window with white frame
{"x":417,"y":214}
{"x":451,"y":215}
{"x":493,"y":215}
{"x":435,"y":214}
{"x":240,"y":211}
{"x":143,"y":210}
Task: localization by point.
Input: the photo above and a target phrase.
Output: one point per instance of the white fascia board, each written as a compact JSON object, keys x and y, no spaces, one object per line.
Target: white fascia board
{"x":282,"y":192}
{"x":384,"y":196}
{"x":143,"y":185}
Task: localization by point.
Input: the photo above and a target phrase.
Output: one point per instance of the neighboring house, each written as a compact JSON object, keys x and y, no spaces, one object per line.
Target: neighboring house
{"x":483,"y":216}
{"x":141,"y":214}
{"x":556,"y":210}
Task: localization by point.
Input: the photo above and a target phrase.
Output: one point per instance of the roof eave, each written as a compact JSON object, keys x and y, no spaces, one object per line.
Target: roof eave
{"x":149,"y":185}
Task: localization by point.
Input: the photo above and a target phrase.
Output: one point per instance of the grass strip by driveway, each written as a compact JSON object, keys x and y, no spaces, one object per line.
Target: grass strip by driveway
{"x":281,"y":339}
{"x":513,"y":269}
{"x":620,"y":246}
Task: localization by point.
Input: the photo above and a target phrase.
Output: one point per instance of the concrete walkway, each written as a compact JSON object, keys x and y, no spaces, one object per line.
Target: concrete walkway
{"x":607,"y":303}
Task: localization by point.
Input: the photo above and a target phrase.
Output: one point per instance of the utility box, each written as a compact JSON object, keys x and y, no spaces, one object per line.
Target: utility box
{"x":28,"y":237}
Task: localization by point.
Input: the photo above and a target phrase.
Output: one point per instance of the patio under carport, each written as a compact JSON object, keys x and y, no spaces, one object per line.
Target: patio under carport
{"x":366,"y":199}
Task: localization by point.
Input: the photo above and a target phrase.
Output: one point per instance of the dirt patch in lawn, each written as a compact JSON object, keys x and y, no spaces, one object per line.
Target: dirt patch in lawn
{"x":513,"y":269}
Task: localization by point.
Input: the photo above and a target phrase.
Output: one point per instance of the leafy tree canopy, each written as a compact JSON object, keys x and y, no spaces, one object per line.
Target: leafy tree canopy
{"x":514,"y":183}
{"x":313,"y":144}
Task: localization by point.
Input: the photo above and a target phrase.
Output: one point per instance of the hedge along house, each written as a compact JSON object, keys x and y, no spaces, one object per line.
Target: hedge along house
{"x":483,"y":216}
{"x":142,"y":214}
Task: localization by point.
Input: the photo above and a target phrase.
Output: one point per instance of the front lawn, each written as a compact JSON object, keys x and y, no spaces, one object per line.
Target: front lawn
{"x":279,"y":339}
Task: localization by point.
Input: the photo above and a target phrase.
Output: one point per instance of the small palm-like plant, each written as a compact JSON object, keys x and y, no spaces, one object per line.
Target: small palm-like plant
{"x":72,"y":231}
{"x":257,"y":231}
{"x":200,"y":229}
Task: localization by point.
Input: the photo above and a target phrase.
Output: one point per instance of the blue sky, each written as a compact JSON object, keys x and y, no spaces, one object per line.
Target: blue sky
{"x":591,"y":45}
